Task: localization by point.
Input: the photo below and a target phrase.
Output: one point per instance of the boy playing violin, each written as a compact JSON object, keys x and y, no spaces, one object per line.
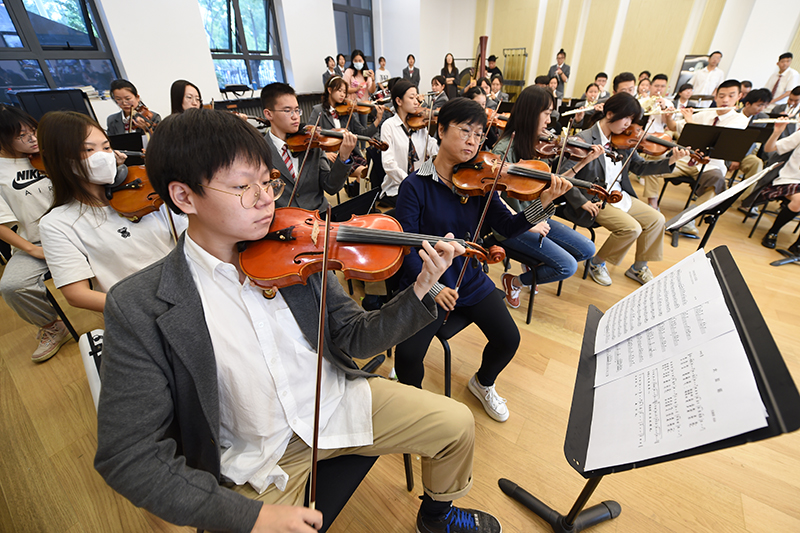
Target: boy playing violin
{"x":205,"y":380}
{"x":319,"y":176}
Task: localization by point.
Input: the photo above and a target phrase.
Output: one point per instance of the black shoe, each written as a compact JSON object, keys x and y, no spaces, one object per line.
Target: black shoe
{"x":794,"y":249}
{"x":770,"y":240}
{"x":460,"y":521}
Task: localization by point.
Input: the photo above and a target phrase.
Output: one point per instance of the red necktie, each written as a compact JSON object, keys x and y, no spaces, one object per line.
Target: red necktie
{"x":288,"y":160}
{"x":775,"y":87}
{"x":716,"y":121}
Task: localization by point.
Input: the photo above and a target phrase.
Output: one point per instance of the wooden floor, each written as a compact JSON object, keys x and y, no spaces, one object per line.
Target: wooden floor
{"x":48,"y":427}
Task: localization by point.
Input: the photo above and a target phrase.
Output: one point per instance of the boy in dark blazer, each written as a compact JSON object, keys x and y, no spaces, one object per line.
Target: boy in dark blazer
{"x":410,"y":72}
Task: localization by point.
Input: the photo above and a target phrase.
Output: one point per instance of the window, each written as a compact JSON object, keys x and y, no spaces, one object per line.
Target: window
{"x":51,"y":44}
{"x":244,"y":43}
{"x":353,"y":21}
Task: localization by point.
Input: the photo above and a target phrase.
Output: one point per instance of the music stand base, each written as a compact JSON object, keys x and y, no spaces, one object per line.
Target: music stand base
{"x":585,"y":519}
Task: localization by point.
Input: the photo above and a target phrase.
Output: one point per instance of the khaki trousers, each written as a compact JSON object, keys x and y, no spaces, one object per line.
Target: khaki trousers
{"x":711,"y":179}
{"x":641,"y":224}
{"x":404,"y":420}
{"x":750,"y":165}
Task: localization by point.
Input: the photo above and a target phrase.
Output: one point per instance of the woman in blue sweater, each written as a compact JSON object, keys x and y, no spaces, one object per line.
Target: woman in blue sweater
{"x":428,"y":203}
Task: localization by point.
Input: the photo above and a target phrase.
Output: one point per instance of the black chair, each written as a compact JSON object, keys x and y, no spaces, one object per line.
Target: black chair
{"x":562,"y":212}
{"x":679,"y":180}
{"x":59,"y":311}
{"x":337,"y":480}
{"x":525,"y":260}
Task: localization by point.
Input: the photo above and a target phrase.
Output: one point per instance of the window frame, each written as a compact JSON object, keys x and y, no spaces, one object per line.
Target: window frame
{"x":239,"y":41}
{"x":350,"y":11}
{"x":33,"y":50}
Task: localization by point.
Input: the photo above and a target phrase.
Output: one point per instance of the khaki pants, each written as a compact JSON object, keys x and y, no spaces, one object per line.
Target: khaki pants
{"x":404,"y":420}
{"x":750,"y":165}
{"x":711,"y":179}
{"x":641,"y":224}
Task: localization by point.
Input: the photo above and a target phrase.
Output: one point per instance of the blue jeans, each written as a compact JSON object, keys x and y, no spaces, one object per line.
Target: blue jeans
{"x":560,"y":253}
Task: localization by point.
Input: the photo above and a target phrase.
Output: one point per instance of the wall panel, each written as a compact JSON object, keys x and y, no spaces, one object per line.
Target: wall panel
{"x":595,"y":44}
{"x":513,"y":26}
{"x":546,"y":57}
{"x":570,"y":33}
{"x":708,"y":26}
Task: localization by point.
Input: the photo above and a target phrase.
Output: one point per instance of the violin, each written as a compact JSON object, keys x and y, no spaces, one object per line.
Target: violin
{"x":367,"y":248}
{"x":147,"y":115}
{"x":327,"y":140}
{"x":421,"y":119}
{"x":497,"y":119}
{"x":550,"y":146}
{"x":362,"y":108}
{"x":654,"y":144}
{"x":524,"y":180}
{"x":37,"y":162}
{"x":135,"y":197}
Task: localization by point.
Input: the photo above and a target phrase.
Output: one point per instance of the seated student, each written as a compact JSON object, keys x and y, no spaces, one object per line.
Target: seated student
{"x":786,"y":185}
{"x":184,"y":95}
{"x":552,"y":83}
{"x":334,"y":95}
{"x":753,"y":106}
{"x":544,"y":81}
{"x":712,"y":181}
{"x":492,"y":134}
{"x":789,"y":109}
{"x":747,"y":86}
{"x":407,"y":149}
{"x":439,"y":96}
{"x":319,"y":176}
{"x":591,"y":97}
{"x":682,"y":98}
{"x":128,"y":120}
{"x":644,"y":75}
{"x":428,"y":203}
{"x":643,"y":89}
{"x":25,"y":195}
{"x":192,"y":389}
{"x":625,"y":82}
{"x":601,"y":79}
{"x":563,"y":248}
{"x":497,"y":93}
{"x":330,"y":70}
{"x":629,"y":220}
{"x":83,"y":238}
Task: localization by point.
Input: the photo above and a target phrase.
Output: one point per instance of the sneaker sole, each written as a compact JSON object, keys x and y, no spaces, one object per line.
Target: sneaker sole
{"x":477,"y":394}
{"x":599,"y":282}
{"x":50,"y":355}
{"x":505,"y":289}
{"x":634,"y":277}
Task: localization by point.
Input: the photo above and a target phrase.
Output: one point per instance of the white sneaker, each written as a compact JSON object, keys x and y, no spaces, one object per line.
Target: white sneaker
{"x":51,"y":338}
{"x":494,"y":405}
{"x":642,"y":276}
{"x":600,"y":274}
{"x":690,"y":229}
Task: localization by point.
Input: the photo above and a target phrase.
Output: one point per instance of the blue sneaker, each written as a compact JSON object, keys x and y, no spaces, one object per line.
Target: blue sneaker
{"x":460,"y":521}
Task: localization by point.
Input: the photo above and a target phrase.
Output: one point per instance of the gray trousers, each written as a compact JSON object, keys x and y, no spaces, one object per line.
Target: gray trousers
{"x":22,"y":287}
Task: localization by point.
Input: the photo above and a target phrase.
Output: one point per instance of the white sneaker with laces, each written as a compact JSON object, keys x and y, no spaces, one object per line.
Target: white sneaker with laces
{"x":642,"y":276}
{"x":600,"y":274}
{"x":493,"y":403}
{"x":51,"y":338}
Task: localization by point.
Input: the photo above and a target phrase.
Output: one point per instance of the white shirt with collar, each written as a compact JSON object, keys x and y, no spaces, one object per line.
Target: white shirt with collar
{"x":731,"y":119}
{"x":790,"y":173}
{"x":266,"y":373}
{"x":788,"y":81}
{"x":279,"y":144}
{"x":395,"y":159}
{"x":612,"y":170}
{"x":705,"y":81}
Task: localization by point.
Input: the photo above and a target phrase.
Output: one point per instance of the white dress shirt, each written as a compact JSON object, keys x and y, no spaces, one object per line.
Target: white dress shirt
{"x":612,"y":170}
{"x":395,"y":159}
{"x":790,"y":173}
{"x":705,"y":81}
{"x":788,"y":81}
{"x":266,"y":373}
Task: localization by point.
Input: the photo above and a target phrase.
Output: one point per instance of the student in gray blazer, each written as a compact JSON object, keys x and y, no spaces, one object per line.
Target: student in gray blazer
{"x":127,"y":98}
{"x":200,"y":370}
{"x":410,"y":72}
{"x":789,"y":108}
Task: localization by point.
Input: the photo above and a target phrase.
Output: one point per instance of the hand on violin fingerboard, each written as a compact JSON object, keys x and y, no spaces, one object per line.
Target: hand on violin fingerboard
{"x":677,"y":153}
{"x":348,"y":143}
{"x":558,"y":186}
{"x":435,"y":260}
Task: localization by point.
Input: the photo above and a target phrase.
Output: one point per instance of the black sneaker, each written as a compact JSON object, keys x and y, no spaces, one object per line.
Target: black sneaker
{"x":794,"y":249}
{"x":770,"y":240}
{"x":460,"y":521}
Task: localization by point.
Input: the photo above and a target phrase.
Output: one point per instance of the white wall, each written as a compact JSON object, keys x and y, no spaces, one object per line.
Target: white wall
{"x":307,"y":35}
{"x":395,"y":24}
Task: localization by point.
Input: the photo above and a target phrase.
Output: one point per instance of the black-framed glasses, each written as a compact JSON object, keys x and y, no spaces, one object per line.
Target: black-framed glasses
{"x":250,"y":194}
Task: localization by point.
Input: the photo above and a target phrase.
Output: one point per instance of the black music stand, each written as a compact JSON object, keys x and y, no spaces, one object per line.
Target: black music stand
{"x":775,"y":386}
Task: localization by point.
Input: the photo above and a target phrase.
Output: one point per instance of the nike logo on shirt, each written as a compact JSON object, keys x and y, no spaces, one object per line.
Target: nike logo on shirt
{"x":26,"y":178}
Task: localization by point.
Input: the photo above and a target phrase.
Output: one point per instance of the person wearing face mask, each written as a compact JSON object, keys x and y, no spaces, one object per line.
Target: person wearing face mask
{"x":83,"y":238}
{"x":360,"y":81}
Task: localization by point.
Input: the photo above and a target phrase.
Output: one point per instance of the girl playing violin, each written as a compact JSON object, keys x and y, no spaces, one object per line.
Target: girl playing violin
{"x":491,"y":134}
{"x":184,"y":95}
{"x":407,"y":149}
{"x":335,"y":95}
{"x":83,"y":237}
{"x":427,"y":203}
{"x":562,"y":250}
{"x":25,"y":195}
{"x":130,"y":119}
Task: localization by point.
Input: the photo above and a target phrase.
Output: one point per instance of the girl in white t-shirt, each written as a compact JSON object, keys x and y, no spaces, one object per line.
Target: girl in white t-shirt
{"x":83,"y":237}
{"x":25,"y":195}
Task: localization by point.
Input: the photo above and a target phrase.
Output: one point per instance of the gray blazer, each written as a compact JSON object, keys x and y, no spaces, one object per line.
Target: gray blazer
{"x":552,"y":73}
{"x":158,"y":415}
{"x":326,"y":122}
{"x":319,"y":177}
{"x":114,"y":125}
{"x":413,"y":79}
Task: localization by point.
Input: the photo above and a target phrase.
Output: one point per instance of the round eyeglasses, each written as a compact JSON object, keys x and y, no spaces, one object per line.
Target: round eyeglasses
{"x":250,"y":194}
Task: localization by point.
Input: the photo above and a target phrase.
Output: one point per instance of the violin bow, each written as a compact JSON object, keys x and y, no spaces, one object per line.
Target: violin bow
{"x":428,"y":131}
{"x":312,"y":498}
{"x":303,"y":164}
{"x":352,"y":105}
{"x":483,"y":217}
{"x":172,"y":229}
{"x":563,"y":146}
{"x":627,"y":160}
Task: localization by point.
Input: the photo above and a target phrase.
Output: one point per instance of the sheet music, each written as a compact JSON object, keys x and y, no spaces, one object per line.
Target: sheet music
{"x":694,"y":398}
{"x":684,"y":286}
{"x":675,"y":335}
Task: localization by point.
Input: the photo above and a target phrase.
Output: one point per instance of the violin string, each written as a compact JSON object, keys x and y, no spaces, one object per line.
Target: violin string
{"x":381,"y":236}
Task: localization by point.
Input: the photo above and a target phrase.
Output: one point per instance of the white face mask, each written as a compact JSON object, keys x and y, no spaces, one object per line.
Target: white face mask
{"x":102,"y":167}
{"x":358,"y":65}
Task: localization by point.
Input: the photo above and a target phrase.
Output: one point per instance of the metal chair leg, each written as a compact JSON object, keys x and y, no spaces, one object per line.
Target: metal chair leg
{"x":61,"y":315}
{"x":409,"y":471}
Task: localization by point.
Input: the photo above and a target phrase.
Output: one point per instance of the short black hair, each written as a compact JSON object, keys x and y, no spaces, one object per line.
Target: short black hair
{"x":492,"y":58}
{"x":541,"y":80}
{"x":438,"y":78}
{"x":472,"y":92}
{"x":756,"y":96}
{"x":796,"y":91}
{"x":326,"y":60}
{"x":623,"y":77}
{"x":660,"y":77}
{"x":786,"y":55}
{"x":590,"y":86}
{"x":561,"y":53}
{"x":123,"y":84}
{"x":645,"y":72}
{"x":481,"y":80}
{"x":338,"y":56}
{"x":497,"y":77}
{"x":11,"y":121}
{"x":601,"y":75}
{"x":399,"y":90}
{"x":727,"y":84}
{"x":622,"y":105}
{"x":411,"y":56}
{"x":187,"y":148}
{"x":715,"y":52}
{"x":270,"y":93}
{"x":461,"y":110}
{"x":381,"y":59}
{"x":747,"y":83}
{"x":684,"y":87}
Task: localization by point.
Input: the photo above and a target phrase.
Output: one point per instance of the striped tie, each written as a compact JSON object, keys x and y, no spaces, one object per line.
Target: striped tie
{"x":288,"y":160}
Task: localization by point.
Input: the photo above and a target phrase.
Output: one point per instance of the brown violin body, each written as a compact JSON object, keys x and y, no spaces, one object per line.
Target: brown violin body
{"x":327,"y":140}
{"x":37,"y":162}
{"x":422,"y":119}
{"x":362,"y":108}
{"x":576,"y":149}
{"x":497,"y":119}
{"x":654,"y":144}
{"x":523,"y":180}
{"x":134,"y":197}
{"x":367,"y":248}
{"x":147,"y":115}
